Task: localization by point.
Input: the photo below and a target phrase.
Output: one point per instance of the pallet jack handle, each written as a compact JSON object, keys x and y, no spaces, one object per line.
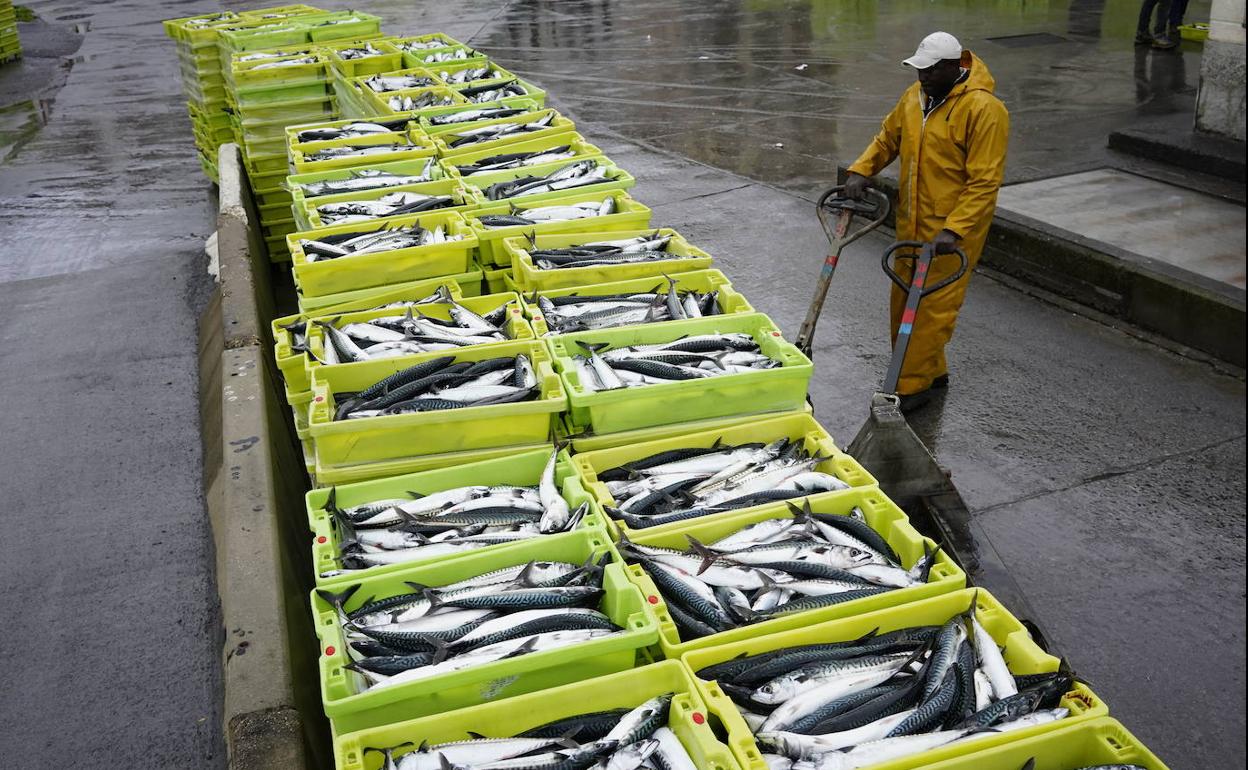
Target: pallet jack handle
{"x":833,"y":204}
{"x":915,"y":290}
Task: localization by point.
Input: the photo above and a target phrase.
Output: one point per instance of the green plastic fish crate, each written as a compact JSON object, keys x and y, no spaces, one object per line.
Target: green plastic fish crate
{"x":258,"y":34}
{"x":420,"y":58}
{"x":462,"y":200}
{"x":278,"y":227}
{"x":362,"y":299}
{"x":448,"y":68}
{"x":882,"y":515}
{"x":1022,"y":655}
{"x":443,"y":136}
{"x":515,"y":327}
{"x":293,"y":131}
{"x":326,"y":475}
{"x":796,"y":426}
{"x":441,"y":37}
{"x":420,"y":147}
{"x":617,"y":179}
{"x":399,"y":436}
{"x":388,"y":60}
{"x":781,"y":389}
{"x":405,"y":167}
{"x":629,"y":216}
{"x":292,"y":363}
{"x":582,"y":442}
{"x":269,"y":196}
{"x":261,"y":163}
{"x":208,"y":166}
{"x":1092,"y":742}
{"x":1196,"y":32}
{"x":705,"y":281}
{"x":274,"y":212}
{"x":521,"y":469}
{"x":366,"y":271}
{"x":514,"y":103}
{"x":278,"y":115}
{"x":277,"y":249}
{"x":574,"y":142}
{"x":297,"y":9}
{"x":626,"y":689}
{"x":531,"y":93}
{"x":497,"y":280}
{"x":351,"y":708}
{"x":173,"y":27}
{"x":252,"y":97}
{"x":257,"y":77}
{"x":401,"y":70}
{"x":380,"y":103}
{"x":210,"y":120}
{"x":529,"y":278}
{"x":301,"y":29}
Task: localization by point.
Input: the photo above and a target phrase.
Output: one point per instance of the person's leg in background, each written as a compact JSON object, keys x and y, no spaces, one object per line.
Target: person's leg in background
{"x":1162,"y":8}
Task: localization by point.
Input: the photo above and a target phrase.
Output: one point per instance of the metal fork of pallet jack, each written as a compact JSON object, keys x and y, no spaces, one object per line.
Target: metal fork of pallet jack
{"x":906,"y":469}
{"x":831,"y":202}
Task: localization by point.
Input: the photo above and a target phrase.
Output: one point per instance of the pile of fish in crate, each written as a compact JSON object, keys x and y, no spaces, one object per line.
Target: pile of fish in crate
{"x":570,"y":508}
{"x":10,"y":46}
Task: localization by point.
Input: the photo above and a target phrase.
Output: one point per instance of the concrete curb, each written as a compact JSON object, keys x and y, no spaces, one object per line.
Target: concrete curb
{"x":1190,"y":309}
{"x":253,"y":477}
{"x":1172,"y":140}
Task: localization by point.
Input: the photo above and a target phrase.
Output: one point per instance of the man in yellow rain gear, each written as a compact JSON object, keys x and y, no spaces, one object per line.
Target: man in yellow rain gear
{"x":951,"y":132}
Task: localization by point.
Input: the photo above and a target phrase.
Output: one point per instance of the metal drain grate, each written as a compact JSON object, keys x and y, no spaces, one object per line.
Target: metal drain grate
{"x":1028,"y":41}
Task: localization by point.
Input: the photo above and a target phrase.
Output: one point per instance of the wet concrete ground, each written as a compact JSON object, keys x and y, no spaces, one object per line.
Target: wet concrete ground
{"x":1108,"y":473}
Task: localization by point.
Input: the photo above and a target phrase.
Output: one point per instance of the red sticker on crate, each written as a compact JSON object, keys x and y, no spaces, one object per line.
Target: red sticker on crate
{"x":698,"y":718}
{"x":321,"y":539}
{"x":652,"y":599}
{"x":330,"y":650}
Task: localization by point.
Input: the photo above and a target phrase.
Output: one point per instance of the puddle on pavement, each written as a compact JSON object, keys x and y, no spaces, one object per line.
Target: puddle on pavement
{"x":19,"y":123}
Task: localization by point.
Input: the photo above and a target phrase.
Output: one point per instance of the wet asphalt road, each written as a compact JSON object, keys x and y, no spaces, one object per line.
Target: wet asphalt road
{"x":1108,"y":473}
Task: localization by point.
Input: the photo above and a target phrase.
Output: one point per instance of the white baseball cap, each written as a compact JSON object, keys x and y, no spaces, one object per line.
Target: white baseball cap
{"x":936,"y":47}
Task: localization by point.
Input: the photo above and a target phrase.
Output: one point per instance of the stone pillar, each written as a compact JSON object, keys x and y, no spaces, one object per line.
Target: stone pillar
{"x":1220,"y":101}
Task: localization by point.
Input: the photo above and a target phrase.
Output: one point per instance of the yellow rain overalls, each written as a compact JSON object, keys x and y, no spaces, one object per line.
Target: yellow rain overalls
{"x":952,"y":163}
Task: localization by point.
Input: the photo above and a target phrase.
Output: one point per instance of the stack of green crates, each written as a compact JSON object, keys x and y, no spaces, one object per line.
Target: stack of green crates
{"x":10,"y":47}
{"x":203,"y":79}
{"x":277,"y":77}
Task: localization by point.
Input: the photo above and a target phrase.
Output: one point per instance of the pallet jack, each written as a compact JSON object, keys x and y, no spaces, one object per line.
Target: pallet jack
{"x":886,"y":445}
